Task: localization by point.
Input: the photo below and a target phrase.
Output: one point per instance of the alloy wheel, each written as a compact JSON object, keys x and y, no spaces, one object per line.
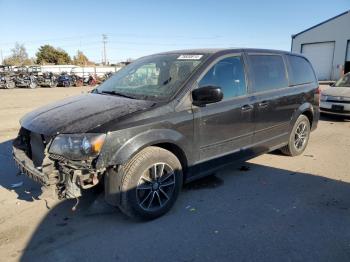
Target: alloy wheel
{"x":300,"y":136}
{"x":155,"y":187}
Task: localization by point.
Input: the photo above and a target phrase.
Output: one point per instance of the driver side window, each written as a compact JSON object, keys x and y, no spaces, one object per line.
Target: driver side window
{"x":228,"y":74}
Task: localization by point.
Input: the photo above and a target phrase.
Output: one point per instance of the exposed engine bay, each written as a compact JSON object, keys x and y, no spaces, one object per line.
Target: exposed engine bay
{"x":67,"y":177}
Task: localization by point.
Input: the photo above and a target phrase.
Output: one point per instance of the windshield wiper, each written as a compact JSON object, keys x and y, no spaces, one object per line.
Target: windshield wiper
{"x":116,"y":94}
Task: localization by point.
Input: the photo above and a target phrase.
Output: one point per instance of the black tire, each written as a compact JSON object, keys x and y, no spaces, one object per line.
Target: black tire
{"x":33,"y":85}
{"x":141,"y":195}
{"x":295,"y":148}
{"x":10,"y":85}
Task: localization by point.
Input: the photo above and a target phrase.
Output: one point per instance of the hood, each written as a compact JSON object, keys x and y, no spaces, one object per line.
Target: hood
{"x":337,"y":91}
{"x":80,"y":114}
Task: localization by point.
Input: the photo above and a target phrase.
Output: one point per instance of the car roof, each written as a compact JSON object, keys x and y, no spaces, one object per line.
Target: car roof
{"x":224,"y":50}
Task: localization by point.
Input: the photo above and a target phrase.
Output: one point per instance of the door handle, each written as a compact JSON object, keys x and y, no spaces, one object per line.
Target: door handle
{"x":246,"y":108}
{"x":263,"y":104}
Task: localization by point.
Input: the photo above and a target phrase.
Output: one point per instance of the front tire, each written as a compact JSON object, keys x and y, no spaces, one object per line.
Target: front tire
{"x":151,"y":182}
{"x":9,"y":85}
{"x":299,"y":137}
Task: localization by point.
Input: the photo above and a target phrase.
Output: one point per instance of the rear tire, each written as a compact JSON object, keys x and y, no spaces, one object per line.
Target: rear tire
{"x":299,"y":137}
{"x":150,"y":184}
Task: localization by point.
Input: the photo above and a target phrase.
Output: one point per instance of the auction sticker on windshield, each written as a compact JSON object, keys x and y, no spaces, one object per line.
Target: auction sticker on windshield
{"x":189,"y":57}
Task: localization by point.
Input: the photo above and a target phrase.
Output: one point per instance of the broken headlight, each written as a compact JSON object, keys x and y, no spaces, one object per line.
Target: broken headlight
{"x":77,"y":146}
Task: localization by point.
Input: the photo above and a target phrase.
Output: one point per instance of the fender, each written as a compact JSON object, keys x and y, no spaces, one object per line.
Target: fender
{"x":305,"y":107}
{"x":147,"y":138}
{"x":112,"y":182}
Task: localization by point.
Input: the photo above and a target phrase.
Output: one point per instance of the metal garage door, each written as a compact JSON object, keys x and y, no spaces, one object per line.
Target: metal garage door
{"x":321,"y":57}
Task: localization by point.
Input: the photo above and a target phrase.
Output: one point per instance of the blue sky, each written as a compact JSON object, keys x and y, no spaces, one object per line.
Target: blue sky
{"x":136,"y":28}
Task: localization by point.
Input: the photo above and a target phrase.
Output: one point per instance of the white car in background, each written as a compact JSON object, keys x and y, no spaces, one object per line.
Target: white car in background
{"x":336,"y":99}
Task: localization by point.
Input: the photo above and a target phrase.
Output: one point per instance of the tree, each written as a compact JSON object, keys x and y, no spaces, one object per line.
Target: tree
{"x":49,"y":55}
{"x":81,"y":59}
{"x":63,"y":57}
{"x":19,"y":56}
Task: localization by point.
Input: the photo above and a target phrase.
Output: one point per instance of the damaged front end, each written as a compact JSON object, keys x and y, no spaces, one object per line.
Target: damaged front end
{"x":65,"y":163}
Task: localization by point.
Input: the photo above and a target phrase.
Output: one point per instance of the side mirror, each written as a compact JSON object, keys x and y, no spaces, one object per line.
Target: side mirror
{"x":207,"y":95}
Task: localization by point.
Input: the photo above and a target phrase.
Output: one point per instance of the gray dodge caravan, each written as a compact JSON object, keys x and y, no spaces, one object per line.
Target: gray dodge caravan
{"x":167,"y":119}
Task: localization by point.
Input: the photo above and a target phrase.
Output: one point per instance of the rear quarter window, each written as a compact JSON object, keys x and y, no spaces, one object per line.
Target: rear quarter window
{"x":299,"y":71}
{"x":267,"y":72}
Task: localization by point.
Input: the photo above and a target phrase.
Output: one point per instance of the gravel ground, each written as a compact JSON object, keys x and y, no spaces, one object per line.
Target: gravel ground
{"x":276,"y":209}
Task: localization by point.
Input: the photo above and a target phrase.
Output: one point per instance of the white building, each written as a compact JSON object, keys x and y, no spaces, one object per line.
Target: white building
{"x":327,"y":46}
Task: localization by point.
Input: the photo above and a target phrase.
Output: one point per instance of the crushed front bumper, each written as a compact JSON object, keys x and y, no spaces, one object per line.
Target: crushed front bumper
{"x":26,"y":166}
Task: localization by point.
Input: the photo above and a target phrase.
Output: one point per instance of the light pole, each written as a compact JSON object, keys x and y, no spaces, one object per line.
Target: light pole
{"x":104,"y":41}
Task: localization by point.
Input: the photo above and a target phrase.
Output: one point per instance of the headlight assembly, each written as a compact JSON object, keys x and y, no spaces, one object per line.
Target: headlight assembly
{"x":77,"y":146}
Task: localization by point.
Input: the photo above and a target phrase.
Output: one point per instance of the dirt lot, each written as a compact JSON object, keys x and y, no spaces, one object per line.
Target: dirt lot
{"x":277,"y":209}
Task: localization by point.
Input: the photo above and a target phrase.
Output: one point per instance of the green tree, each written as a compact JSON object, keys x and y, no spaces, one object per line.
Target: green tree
{"x":19,"y":56}
{"x":49,"y":55}
{"x":81,"y":59}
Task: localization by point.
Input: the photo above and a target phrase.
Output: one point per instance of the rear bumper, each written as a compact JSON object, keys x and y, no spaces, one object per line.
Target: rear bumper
{"x":25,"y":164}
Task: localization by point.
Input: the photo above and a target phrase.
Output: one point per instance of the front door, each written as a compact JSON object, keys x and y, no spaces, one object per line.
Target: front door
{"x":225,"y":126}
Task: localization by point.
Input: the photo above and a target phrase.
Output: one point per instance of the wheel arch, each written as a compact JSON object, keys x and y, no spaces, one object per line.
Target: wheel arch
{"x":308,"y":113}
{"x":304,"y":109}
{"x":177,"y":151}
{"x":168,"y":139}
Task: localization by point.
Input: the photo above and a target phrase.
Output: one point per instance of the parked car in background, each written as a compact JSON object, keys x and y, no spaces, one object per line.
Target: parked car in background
{"x":25,"y":80}
{"x":170,"y":118}
{"x":336,"y":99}
{"x":47,"y":79}
{"x":65,"y":80}
{"x":6,"y":77}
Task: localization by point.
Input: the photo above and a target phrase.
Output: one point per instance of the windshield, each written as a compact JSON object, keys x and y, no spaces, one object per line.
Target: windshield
{"x":343,"y":81}
{"x":156,"y":77}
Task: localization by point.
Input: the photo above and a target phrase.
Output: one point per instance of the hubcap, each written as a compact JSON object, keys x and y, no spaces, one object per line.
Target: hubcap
{"x":155,"y":187}
{"x":300,"y":137}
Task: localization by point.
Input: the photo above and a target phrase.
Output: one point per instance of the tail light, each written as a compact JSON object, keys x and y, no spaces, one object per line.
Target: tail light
{"x":318,"y":93}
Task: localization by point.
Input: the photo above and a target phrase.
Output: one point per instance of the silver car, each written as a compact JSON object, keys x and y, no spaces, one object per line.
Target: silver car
{"x":336,"y":99}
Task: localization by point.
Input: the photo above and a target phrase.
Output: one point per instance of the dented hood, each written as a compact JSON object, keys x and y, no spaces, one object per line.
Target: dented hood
{"x":80,"y":114}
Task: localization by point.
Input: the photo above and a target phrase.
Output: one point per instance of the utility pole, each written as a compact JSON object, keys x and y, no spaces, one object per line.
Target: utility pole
{"x":104,"y":41}
{"x":2,"y":58}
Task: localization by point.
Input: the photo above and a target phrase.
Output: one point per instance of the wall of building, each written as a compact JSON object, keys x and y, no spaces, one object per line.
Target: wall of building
{"x":337,"y":30}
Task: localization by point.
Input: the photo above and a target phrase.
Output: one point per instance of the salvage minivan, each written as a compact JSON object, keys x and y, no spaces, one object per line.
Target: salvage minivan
{"x":167,"y":119}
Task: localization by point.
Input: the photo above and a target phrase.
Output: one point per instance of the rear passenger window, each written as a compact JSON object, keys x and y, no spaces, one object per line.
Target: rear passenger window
{"x":300,"y":71}
{"x":228,"y":74}
{"x":267,"y":72}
